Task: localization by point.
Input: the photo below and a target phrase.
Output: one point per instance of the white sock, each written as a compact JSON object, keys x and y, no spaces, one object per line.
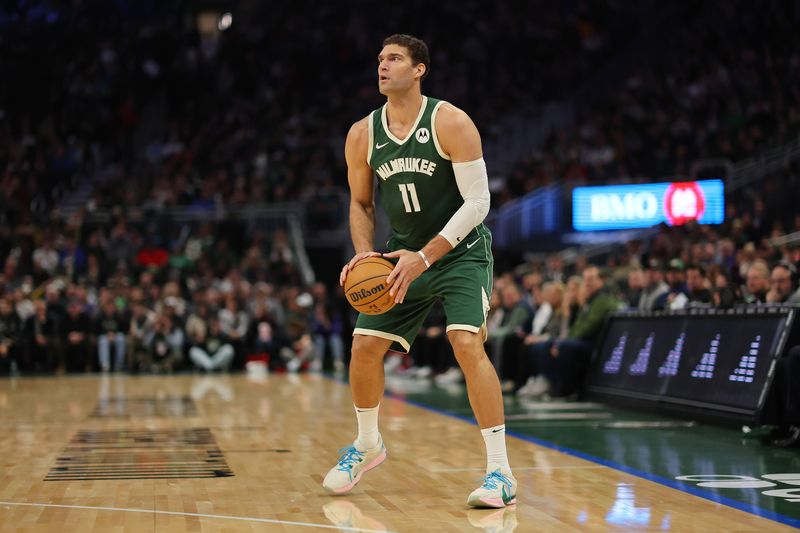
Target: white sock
{"x":367,"y":427}
{"x":495,"y":439}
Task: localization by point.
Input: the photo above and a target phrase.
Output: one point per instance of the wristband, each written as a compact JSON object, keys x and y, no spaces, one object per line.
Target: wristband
{"x":424,"y":259}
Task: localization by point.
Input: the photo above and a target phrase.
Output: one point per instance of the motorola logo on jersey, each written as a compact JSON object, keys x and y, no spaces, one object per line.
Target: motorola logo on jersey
{"x":423,"y":135}
{"x":684,"y":202}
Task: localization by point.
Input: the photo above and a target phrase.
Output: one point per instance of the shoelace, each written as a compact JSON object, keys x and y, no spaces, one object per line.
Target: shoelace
{"x":491,"y":479}
{"x":349,"y":456}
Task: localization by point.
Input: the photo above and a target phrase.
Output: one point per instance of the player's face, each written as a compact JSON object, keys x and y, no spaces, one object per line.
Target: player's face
{"x":396,"y":74}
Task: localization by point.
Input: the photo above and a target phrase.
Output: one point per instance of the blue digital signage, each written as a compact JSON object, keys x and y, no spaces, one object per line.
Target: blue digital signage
{"x":648,"y":204}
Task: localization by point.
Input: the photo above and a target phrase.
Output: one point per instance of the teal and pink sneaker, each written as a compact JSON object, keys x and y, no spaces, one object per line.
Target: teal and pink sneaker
{"x":498,"y":490}
{"x":353,"y":463}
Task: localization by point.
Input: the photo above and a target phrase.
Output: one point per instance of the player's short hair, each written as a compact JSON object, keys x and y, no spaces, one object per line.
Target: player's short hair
{"x":416,"y":48}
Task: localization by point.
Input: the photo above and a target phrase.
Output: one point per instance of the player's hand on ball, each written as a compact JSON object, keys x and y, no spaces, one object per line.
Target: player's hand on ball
{"x":407,"y":269}
{"x":349,"y":266}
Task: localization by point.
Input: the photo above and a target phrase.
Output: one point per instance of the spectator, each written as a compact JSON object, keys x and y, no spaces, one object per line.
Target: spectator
{"x":758,"y":281}
{"x":326,"y":327}
{"x":11,"y":338}
{"x":553,"y":328}
{"x":110,"y":329}
{"x":783,"y":285}
{"x":563,"y":362}
{"x":504,"y":341}
{"x":654,"y":288}
{"x":197,"y":324}
{"x":697,"y":285}
{"x":46,"y":258}
{"x":76,"y":331}
{"x":636,"y":283}
{"x":141,"y":326}
{"x":265,"y":341}
{"x":301,"y":346}
{"x":235,"y":324}
{"x":724,"y":295}
{"x":212,"y":351}
{"x":678,"y":295}
{"x":164,"y":347}
{"x":42,"y":339}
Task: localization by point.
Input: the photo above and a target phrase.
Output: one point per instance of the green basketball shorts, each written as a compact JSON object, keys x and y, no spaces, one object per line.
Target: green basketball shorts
{"x":462,"y":280}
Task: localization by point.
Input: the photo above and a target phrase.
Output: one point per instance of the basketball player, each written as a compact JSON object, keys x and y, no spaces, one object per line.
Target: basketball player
{"x":432,"y":178}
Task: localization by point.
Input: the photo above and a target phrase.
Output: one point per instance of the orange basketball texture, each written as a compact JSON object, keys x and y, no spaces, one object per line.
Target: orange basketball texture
{"x":366,"y":288}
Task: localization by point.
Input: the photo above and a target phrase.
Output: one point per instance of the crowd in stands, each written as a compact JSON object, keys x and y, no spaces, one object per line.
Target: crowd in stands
{"x":720,"y":84}
{"x":187,"y":114}
{"x":86,"y":297}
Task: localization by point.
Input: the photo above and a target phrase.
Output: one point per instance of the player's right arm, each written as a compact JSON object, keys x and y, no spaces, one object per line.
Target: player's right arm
{"x":362,"y":197}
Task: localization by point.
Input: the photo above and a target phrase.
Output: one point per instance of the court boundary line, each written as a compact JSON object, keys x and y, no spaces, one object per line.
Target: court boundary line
{"x":707,"y":495}
{"x":197,"y":515}
{"x":519,"y":468}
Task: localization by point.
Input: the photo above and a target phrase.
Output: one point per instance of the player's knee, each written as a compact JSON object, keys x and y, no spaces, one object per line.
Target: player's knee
{"x":466,"y":345}
{"x":367,"y":346}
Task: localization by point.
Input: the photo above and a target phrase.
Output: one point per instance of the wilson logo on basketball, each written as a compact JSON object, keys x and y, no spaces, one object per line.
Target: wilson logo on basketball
{"x":356,"y":296}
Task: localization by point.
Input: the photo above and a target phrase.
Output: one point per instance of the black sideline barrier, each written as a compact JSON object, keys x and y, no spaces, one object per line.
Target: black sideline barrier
{"x":705,"y":363}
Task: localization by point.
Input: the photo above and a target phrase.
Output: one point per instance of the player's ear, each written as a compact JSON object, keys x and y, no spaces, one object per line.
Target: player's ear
{"x":421,"y":68}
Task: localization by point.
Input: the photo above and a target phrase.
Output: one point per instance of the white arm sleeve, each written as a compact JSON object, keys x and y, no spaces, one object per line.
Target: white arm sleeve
{"x":473,"y":184}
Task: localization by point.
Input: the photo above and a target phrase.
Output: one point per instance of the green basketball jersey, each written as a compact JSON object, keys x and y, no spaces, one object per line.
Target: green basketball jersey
{"x":415,"y":178}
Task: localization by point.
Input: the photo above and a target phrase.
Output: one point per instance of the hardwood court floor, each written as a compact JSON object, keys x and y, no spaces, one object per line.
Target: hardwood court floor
{"x":232,"y":453}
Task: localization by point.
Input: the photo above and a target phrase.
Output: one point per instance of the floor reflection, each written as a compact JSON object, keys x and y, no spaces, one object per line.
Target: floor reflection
{"x":494,"y":520}
{"x":211,"y":384}
{"x":346,"y":514}
{"x":624,"y":511}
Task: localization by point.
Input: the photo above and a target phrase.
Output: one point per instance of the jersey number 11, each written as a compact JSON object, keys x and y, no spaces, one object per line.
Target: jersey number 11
{"x":409,"y":191}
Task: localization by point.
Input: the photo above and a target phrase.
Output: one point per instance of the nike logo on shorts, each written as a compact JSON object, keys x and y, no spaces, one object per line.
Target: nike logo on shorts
{"x":473,"y":243}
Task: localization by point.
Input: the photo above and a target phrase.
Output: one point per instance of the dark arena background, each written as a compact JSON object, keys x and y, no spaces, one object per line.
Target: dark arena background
{"x":174,"y":217}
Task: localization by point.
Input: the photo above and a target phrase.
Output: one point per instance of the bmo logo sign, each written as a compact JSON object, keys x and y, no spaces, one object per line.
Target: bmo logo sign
{"x":612,"y":207}
{"x":641,"y":206}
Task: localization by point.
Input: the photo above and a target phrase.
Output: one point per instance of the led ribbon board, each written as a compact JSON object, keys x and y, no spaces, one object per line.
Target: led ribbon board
{"x":713,"y":359}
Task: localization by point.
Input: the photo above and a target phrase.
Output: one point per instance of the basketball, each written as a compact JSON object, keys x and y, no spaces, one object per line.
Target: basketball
{"x":366,"y":288}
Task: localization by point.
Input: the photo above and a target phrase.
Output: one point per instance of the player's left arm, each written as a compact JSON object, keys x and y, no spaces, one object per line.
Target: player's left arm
{"x":459,"y":139}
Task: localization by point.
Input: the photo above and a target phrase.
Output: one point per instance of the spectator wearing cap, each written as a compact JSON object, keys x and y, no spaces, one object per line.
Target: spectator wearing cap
{"x":298,"y":332}
{"x":677,"y":297}
{"x":654,"y":288}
